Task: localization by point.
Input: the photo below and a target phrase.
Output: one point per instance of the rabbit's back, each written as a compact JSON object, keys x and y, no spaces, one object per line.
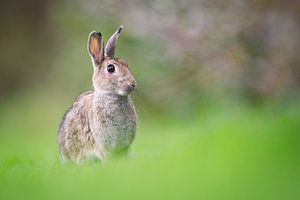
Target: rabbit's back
{"x":75,"y":136}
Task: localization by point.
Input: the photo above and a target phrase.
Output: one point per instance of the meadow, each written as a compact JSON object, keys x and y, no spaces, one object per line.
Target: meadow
{"x":230,"y":151}
{"x":217,"y":98}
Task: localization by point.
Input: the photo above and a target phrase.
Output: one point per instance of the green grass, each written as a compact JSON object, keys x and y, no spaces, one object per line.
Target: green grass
{"x":239,"y":152}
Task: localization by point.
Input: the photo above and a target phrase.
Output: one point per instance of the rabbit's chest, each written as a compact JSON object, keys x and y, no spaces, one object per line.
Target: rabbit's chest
{"x":116,"y":126}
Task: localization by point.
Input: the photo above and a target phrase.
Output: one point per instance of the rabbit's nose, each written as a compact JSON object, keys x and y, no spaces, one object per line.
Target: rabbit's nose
{"x":132,"y":85}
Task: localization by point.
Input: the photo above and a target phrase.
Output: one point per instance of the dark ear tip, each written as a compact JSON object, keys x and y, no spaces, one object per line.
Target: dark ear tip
{"x":120,"y":29}
{"x":95,"y":34}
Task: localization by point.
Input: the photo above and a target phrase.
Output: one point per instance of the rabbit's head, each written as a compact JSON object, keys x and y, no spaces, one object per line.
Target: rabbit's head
{"x":111,"y":75}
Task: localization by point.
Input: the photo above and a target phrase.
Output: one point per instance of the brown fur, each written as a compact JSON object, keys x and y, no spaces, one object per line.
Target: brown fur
{"x":102,"y":122}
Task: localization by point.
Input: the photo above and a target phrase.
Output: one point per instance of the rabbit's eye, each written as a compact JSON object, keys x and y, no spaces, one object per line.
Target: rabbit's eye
{"x":110,"y":68}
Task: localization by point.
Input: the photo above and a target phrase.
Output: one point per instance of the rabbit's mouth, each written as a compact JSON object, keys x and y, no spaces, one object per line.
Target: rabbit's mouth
{"x":123,"y":92}
{"x":126,"y":91}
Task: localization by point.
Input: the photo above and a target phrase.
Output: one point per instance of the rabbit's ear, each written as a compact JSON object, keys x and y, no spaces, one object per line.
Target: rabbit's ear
{"x":111,"y":43}
{"x":95,"y":47}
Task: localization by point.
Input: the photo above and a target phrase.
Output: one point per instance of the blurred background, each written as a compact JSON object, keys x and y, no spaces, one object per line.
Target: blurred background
{"x":218,"y":81}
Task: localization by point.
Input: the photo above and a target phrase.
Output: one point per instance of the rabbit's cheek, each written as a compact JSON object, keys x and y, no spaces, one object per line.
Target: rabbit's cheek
{"x":100,"y":85}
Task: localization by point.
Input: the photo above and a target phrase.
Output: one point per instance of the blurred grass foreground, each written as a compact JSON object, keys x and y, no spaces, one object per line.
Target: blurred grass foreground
{"x":218,"y":98}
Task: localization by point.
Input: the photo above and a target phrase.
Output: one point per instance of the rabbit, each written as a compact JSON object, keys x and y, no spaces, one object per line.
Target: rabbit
{"x":101,"y":123}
